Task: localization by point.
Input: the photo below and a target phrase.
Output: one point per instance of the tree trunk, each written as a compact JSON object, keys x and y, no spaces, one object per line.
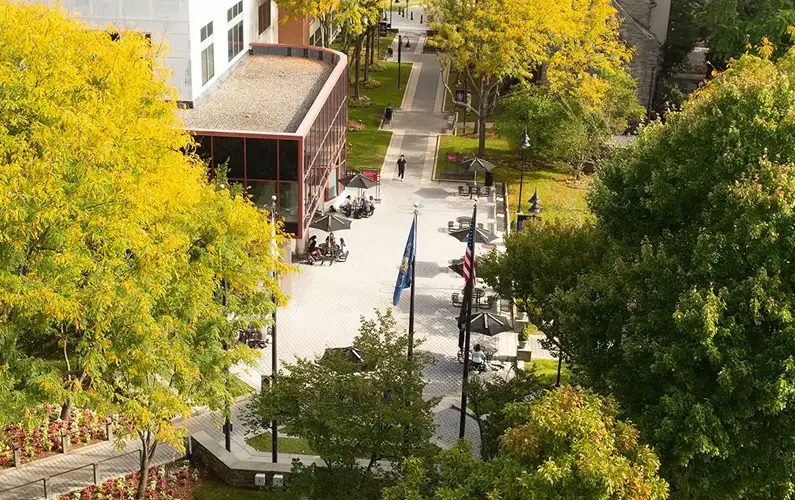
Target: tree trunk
{"x":483,"y":108}
{"x":149,"y":446}
{"x":373,"y":45}
{"x":367,"y":55}
{"x":358,"y":57}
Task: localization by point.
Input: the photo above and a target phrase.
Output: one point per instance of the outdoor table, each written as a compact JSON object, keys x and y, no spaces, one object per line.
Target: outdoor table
{"x":474,"y":189}
{"x":477,"y":294}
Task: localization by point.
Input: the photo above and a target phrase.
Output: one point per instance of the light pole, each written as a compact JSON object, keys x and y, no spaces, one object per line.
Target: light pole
{"x":400,"y":44}
{"x":524,"y":143}
{"x":274,"y":356}
{"x":390,"y":13}
{"x":535,"y":204}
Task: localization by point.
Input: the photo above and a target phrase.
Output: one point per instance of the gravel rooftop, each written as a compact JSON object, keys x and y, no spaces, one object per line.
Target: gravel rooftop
{"x":263,"y":94}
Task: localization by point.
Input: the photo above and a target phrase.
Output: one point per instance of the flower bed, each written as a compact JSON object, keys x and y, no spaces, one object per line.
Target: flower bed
{"x":174,"y":483}
{"x":83,"y":427}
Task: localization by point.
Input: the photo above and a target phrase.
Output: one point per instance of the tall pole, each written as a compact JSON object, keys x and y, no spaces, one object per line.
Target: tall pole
{"x":413,"y":276}
{"x":521,"y":185}
{"x":560,"y":362}
{"x":468,"y":297}
{"x":400,"y":44}
{"x":274,"y":356}
{"x":227,"y":420}
{"x":390,"y":14}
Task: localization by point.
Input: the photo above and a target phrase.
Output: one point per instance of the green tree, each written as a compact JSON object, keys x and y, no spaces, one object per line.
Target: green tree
{"x":489,"y":398}
{"x":567,"y":445}
{"x":346,"y":411}
{"x":119,"y":262}
{"x":685,"y":314}
{"x":573,"y":48}
{"x":322,"y":10}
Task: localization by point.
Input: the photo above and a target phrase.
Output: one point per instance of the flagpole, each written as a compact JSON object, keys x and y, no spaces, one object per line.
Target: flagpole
{"x":413,"y":280}
{"x":468,"y":297}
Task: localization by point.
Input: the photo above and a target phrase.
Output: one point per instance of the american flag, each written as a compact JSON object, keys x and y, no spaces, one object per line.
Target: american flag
{"x":469,"y":257}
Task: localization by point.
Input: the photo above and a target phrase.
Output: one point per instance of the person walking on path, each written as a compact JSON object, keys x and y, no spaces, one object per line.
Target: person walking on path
{"x":401,"y":163}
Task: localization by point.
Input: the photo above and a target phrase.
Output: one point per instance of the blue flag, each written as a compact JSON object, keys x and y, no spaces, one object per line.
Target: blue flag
{"x":404,"y":276}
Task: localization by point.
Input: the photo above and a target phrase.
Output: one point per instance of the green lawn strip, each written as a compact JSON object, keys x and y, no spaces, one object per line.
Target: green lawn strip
{"x":547,"y":369}
{"x":215,"y":490}
{"x":558,"y":198}
{"x":368,"y":147}
{"x":264,"y":442}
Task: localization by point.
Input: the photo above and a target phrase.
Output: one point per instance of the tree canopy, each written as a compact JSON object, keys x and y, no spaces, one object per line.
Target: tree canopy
{"x":683,"y":309}
{"x":574,"y":48}
{"x":124,"y":273}
{"x":346,"y":410}
{"x":567,"y":445}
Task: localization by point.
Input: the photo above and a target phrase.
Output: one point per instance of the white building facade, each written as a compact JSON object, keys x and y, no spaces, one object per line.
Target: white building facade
{"x":206,"y":38}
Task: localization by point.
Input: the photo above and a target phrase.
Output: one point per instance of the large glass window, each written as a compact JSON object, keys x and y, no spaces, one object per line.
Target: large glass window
{"x":234,"y":11}
{"x":231,"y":149}
{"x":288,"y":160}
{"x":235,"y":40}
{"x":261,"y":159}
{"x":204,"y":148}
{"x":288,"y":200}
{"x":261,"y":193}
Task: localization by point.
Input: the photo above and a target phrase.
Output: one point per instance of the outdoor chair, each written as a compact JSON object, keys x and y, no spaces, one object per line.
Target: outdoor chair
{"x":463,"y":191}
{"x":450,"y":226}
{"x":456,"y":298}
{"x":343,"y":256}
{"x":484,"y":191}
{"x":480,"y":225}
{"x":489,"y":303}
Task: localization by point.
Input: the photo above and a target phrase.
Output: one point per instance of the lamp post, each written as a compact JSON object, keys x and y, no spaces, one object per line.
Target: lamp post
{"x":390,"y":12}
{"x":524,"y":143}
{"x":400,"y":44}
{"x":535,"y":204}
{"x":274,"y":356}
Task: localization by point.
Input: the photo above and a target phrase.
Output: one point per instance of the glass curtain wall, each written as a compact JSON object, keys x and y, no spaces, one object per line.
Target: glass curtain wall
{"x":263,"y":166}
{"x":324,"y":145}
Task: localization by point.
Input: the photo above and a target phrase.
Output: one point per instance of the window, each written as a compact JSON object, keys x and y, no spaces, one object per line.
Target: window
{"x":235,"y":40}
{"x":261,"y":159}
{"x":288,"y":160}
{"x":208,"y":64}
{"x":332,"y":183}
{"x":288,"y":200}
{"x":229,"y":149}
{"x":207,"y":54}
{"x":234,"y":11}
{"x":264,"y":15}
{"x":207,"y":31}
{"x":262,"y":193}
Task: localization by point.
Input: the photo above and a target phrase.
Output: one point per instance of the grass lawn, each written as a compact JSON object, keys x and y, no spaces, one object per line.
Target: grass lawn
{"x":264,"y":442}
{"x":547,"y":369}
{"x":367,"y":148}
{"x":238,"y":387}
{"x":216,"y":490}
{"x":558,"y":198}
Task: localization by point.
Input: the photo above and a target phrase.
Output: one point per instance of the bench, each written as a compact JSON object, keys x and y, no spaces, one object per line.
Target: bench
{"x":455,"y":175}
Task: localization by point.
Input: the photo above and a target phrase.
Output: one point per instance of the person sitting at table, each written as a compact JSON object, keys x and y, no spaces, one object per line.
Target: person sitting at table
{"x":365,"y":206}
{"x":345,"y":208}
{"x":331,"y":243}
{"x":312,"y":251}
{"x":372,"y":204}
{"x":478,"y":358}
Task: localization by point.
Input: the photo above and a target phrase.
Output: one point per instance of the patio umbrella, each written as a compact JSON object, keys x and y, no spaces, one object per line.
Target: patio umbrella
{"x":329,"y":223}
{"x":481,"y":235}
{"x":358,"y":181}
{"x":476,"y":165}
{"x":350,"y":353}
{"x":489,"y":324}
{"x":457,"y":266}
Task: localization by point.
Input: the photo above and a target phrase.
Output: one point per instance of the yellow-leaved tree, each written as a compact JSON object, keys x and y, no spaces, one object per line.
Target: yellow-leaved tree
{"x":124,"y":272}
{"x":572,"y":47}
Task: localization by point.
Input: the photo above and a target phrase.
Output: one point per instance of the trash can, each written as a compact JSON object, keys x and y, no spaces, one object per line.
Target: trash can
{"x":489,"y":179}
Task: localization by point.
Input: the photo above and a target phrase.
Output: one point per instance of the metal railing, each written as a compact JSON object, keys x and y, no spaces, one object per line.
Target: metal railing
{"x":46,"y":482}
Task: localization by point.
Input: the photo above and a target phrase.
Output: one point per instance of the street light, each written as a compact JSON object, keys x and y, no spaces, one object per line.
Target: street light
{"x":535,"y":202}
{"x":400,"y":44}
{"x":274,"y":357}
{"x":524,"y":143}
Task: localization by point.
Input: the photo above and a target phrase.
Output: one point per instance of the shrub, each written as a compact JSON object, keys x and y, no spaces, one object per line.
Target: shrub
{"x":378,"y":66}
{"x":354,"y":126}
{"x":361,"y":102}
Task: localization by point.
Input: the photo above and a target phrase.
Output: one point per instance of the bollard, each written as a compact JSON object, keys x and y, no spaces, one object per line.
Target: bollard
{"x":96,"y":472}
{"x":422,"y":17}
{"x":17,"y":456}
{"x":109,"y":430}
{"x":412,"y":15}
{"x":46,"y":482}
{"x":65,"y":443}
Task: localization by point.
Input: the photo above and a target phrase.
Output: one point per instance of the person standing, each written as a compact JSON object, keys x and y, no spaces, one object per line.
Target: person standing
{"x":401,"y":163}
